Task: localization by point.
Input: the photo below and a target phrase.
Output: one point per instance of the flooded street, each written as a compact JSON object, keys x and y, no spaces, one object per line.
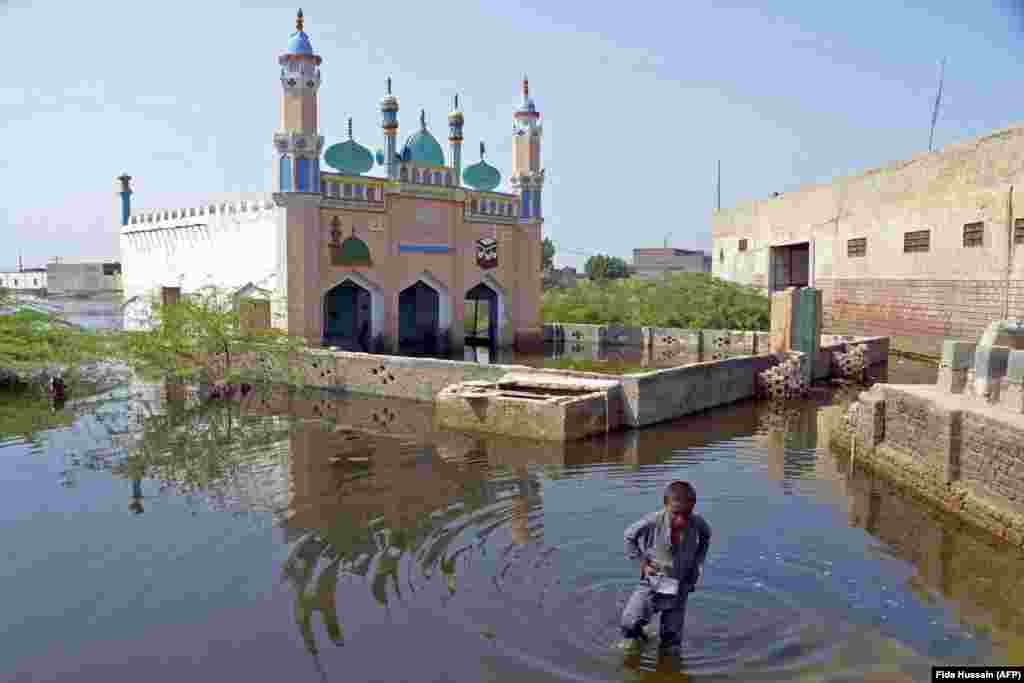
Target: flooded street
{"x":312,"y":537}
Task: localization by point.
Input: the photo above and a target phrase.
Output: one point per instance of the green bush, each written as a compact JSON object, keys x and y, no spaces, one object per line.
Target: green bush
{"x":689,"y":300}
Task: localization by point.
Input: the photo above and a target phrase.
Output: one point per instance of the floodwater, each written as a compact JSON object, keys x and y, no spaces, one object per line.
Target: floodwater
{"x":306,"y":537}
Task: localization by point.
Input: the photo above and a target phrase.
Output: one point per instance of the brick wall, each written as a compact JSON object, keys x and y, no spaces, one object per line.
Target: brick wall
{"x":992,"y":458}
{"x":919,"y":429}
{"x":917,"y":314}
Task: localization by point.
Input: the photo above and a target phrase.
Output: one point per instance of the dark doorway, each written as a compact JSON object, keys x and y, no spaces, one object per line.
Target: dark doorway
{"x":419,"y":313}
{"x":480,"y":316}
{"x":791,"y":266}
{"x":347,"y":314}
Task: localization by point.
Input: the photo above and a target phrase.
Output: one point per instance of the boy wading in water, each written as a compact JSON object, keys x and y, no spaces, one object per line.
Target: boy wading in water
{"x":671,"y":545}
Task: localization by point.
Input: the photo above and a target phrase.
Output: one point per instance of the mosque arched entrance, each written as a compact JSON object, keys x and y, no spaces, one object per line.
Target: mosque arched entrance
{"x":419,"y":320}
{"x":481,"y":316}
{"x":348,"y":310}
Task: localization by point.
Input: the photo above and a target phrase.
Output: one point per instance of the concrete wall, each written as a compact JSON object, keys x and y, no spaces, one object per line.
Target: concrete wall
{"x":916,"y":298}
{"x":667,"y":394}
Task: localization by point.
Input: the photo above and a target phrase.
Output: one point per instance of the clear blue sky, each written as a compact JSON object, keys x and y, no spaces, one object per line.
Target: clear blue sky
{"x":639,"y":99}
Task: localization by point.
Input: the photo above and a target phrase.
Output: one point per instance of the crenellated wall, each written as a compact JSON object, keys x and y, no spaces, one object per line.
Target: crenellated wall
{"x":229,"y":244}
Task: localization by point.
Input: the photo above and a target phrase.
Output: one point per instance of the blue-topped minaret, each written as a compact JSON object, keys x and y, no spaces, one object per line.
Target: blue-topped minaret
{"x":455,"y":121}
{"x":389,"y":122}
{"x":527,"y":174}
{"x":298,"y":143}
{"x":125,"y":190}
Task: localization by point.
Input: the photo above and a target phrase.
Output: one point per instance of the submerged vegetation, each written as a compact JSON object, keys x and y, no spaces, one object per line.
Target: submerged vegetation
{"x":690,"y":300}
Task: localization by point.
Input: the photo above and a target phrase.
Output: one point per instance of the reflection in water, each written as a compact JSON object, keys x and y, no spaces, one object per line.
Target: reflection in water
{"x":502,"y":559}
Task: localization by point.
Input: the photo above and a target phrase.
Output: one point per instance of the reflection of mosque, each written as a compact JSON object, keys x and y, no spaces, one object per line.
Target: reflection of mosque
{"x":365,"y":504}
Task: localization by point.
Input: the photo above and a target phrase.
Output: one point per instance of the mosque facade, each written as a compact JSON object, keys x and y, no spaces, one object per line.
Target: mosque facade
{"x":421,"y":256}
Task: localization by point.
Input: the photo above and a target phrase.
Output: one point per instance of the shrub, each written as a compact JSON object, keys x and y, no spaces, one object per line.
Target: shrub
{"x":689,"y":300}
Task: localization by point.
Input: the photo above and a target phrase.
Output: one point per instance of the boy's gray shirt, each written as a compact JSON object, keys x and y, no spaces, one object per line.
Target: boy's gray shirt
{"x":651,"y":538}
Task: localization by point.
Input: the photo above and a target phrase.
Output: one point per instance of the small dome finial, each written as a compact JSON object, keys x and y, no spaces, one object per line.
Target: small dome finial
{"x":389,"y":85}
{"x":423,"y":118}
{"x":482,"y":150}
{"x":350,"y":128}
{"x":298,"y":21}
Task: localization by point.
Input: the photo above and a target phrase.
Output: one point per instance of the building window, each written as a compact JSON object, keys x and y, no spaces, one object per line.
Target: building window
{"x":721,"y":255}
{"x":404,"y":174}
{"x":916,"y":241}
{"x":974,"y":234}
{"x":743,"y":245}
{"x":302,"y":175}
{"x":473,"y":205}
{"x":348,"y":189}
{"x":857,"y":247}
{"x":1018,"y":231}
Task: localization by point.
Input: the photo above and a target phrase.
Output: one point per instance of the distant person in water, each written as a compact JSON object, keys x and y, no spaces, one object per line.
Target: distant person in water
{"x":671,"y":545}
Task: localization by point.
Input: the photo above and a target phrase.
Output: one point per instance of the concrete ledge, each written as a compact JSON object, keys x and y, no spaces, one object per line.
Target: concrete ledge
{"x":663,"y":395}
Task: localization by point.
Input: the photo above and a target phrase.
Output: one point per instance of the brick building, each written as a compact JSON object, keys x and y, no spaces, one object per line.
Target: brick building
{"x":920,"y":250}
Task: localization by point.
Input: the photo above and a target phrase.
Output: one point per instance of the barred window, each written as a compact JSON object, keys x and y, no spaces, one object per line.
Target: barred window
{"x":857,"y":247}
{"x":974,"y":234}
{"x":917,"y":241}
{"x":743,"y":245}
{"x":1018,"y":231}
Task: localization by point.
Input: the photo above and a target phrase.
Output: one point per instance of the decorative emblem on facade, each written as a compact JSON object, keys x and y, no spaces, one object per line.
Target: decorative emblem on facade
{"x":487,"y":252}
{"x":291,"y":82}
{"x":300,"y":142}
{"x":310,"y":84}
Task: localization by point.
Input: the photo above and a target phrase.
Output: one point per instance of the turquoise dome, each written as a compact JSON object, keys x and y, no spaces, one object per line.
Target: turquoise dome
{"x":349,"y":157}
{"x":298,"y":44}
{"x":422,"y":147}
{"x":482,"y":176}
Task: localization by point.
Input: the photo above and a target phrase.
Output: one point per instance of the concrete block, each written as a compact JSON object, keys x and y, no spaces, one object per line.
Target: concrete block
{"x":1011,"y":395}
{"x":990,"y":365}
{"x":583,"y":334}
{"x":783,"y":309}
{"x":1015,"y":366}
{"x":952,"y":381}
{"x":621,"y":335}
{"x":957,"y":355}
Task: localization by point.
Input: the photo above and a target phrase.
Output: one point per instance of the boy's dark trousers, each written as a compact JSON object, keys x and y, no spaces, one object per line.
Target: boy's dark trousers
{"x":645,"y":603}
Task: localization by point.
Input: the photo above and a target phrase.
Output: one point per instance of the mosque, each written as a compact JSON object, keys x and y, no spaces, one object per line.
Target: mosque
{"x":423,"y":257}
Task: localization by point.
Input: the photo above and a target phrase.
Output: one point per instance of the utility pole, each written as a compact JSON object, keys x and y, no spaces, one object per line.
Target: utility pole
{"x":718,"y":187}
{"x":938,"y":99}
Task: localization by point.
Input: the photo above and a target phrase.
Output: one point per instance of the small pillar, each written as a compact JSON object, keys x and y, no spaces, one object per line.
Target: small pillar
{"x":796,"y":324}
{"x":957,"y":360}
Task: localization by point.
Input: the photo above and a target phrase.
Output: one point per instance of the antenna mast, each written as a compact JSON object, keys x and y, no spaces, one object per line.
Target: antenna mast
{"x":938,"y":99}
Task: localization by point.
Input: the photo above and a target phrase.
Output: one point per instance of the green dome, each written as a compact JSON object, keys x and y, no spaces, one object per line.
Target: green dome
{"x":482,"y":176}
{"x":349,"y":157}
{"x":422,"y":147}
{"x":352,"y":252}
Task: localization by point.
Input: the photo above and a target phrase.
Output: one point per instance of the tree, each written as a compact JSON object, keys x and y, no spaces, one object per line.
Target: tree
{"x":548,"y":254}
{"x":6,"y":296}
{"x":602,"y":267}
{"x":201,"y":337}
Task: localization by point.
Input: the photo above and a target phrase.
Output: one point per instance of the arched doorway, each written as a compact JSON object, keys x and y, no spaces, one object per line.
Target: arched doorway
{"x":419,"y":317}
{"x":348,"y":310}
{"x":481,"y":316}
